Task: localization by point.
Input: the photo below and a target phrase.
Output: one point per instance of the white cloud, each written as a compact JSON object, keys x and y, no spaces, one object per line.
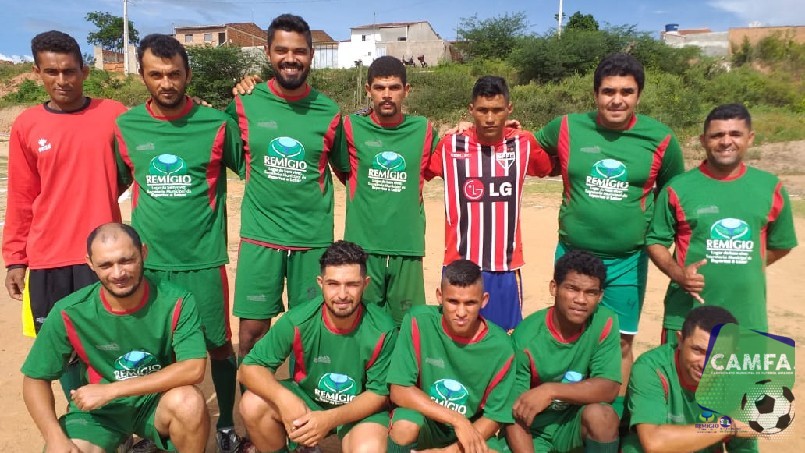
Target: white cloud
{"x":16,"y":58}
{"x":768,"y":12}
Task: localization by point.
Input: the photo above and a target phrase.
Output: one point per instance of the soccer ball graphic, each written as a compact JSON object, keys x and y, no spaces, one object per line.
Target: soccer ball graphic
{"x":337,"y":383}
{"x":287,"y":147}
{"x":769,"y":407}
{"x":167,"y":164}
{"x":729,"y":229}
{"x":389,"y":160}
{"x":450,"y":390}
{"x":609,"y":169}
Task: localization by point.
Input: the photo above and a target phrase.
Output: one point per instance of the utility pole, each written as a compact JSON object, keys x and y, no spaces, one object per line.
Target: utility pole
{"x":125,"y":38}
{"x":558,"y":21}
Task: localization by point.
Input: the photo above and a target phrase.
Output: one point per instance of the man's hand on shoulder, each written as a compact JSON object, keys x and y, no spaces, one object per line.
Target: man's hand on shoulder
{"x":312,"y":427}
{"x":15,"y":282}
{"x":531,"y":403}
{"x":92,"y":396}
{"x":246,"y":85}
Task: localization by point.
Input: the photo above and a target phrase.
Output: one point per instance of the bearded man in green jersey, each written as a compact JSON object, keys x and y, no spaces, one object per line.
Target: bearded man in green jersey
{"x":341,"y":351}
{"x":661,"y":407}
{"x":728,"y":221}
{"x":567,"y":366}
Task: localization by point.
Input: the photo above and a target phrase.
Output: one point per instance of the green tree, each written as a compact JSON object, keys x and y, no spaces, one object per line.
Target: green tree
{"x":109,"y":33}
{"x":579,"y":21}
{"x":216,"y":70}
{"x":491,"y":38}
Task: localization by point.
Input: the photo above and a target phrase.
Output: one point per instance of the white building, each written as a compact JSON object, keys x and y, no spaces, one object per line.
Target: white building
{"x":404,"y":40}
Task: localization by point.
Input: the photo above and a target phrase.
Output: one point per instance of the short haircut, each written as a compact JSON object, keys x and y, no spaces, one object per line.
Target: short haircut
{"x":127,"y":229}
{"x":706,"y":318}
{"x":292,"y":23}
{"x":728,"y":112}
{"x":342,"y":253}
{"x":490,"y":86}
{"x":386,"y":66}
{"x":58,"y":42}
{"x":580,"y":262}
{"x":462,"y":273}
{"x":162,"y":46}
{"x":619,"y":64}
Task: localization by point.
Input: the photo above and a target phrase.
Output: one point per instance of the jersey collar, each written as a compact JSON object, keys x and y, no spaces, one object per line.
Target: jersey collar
{"x":375,"y":119}
{"x":703,"y":168}
{"x":631,"y":124}
{"x":332,"y":328}
{"x":555,"y":331}
{"x":272,"y":86}
{"x":142,"y":303}
{"x":475,"y":339}
{"x":188,"y":105}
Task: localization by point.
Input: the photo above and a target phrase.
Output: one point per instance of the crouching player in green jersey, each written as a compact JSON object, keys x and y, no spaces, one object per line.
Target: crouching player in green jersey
{"x":661,"y":406}
{"x":568,"y":365}
{"x":452,"y":371}
{"x":141,"y":350}
{"x":341,"y":350}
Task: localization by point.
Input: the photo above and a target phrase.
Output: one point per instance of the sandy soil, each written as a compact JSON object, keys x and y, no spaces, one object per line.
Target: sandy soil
{"x":18,"y":433}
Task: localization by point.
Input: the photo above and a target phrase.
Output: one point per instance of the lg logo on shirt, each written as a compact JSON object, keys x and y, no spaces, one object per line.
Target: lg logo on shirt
{"x":494,"y":188}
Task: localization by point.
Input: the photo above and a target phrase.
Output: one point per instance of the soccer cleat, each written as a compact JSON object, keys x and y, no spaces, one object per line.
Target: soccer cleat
{"x":227,"y":440}
{"x":143,"y":446}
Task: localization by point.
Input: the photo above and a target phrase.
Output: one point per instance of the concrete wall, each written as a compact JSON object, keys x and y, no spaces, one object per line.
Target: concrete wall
{"x":755,"y":34}
{"x":359,"y":49}
{"x":420,"y":39}
{"x":325,"y":55}
{"x":713,"y":44}
{"x":196,"y":36}
{"x":108,"y":60}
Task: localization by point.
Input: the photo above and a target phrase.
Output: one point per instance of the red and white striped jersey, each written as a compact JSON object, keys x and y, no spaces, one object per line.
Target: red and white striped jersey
{"x":483,"y":185}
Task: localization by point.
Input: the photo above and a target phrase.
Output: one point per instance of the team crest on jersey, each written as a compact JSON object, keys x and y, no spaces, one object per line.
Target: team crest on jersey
{"x":336,"y":389}
{"x":135,"y":364}
{"x":506,"y":157}
{"x":730,"y":242}
{"x":450,"y":394}
{"x":608,"y":180}
{"x":285,"y":160}
{"x":387,"y":172}
{"x":167,"y":177}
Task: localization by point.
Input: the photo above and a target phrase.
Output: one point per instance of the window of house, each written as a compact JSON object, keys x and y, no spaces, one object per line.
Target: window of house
{"x":207,"y":37}
{"x":402,"y":38}
{"x":188,"y":38}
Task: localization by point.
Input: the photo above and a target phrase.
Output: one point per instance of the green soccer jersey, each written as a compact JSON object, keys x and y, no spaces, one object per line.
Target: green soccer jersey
{"x":331,"y":366}
{"x":544,"y":356}
{"x":730,"y":223}
{"x":288,"y":200}
{"x":657,"y":396}
{"x":115,"y":346}
{"x":472,"y":377}
{"x":178,"y":167}
{"x":385,"y":214}
{"x":609,"y":178}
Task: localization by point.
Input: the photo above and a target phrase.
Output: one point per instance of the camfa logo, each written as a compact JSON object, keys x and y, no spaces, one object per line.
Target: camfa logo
{"x":450,"y":394}
{"x":336,"y":388}
{"x":135,"y":364}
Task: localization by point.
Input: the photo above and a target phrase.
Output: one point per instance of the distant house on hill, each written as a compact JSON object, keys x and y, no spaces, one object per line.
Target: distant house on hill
{"x":241,"y":34}
{"x":407,"y":41}
{"x":712,"y":44}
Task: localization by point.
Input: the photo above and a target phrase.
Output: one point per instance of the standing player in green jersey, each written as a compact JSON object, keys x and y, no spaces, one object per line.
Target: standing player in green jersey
{"x":341,"y":350}
{"x":290,"y":132}
{"x":388,"y":153}
{"x":452,"y":371}
{"x":568,"y":366}
{"x":141,"y":352}
{"x":177,"y":153}
{"x":611,"y":160}
{"x":728,"y":222}
{"x":661,"y":407}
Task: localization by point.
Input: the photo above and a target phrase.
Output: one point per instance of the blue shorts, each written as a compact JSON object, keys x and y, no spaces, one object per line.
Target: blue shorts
{"x":505,"y":306}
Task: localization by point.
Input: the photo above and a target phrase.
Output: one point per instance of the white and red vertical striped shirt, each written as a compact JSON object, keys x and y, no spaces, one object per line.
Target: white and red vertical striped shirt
{"x":483,"y":185}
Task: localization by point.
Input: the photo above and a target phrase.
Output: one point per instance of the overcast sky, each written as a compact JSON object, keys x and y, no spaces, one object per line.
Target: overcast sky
{"x":21,"y":20}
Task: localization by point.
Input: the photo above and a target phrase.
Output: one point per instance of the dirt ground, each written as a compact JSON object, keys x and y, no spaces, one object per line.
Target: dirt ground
{"x":539,"y":214}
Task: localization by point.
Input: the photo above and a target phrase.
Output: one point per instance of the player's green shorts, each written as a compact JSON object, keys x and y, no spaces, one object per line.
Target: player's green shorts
{"x":625,"y":287}
{"x":564,"y":435}
{"x":396,"y":282}
{"x":262,"y":272}
{"x":381,"y":417}
{"x":668,"y":336}
{"x":438,"y":435}
{"x":112,"y":424}
{"x":210,"y":288}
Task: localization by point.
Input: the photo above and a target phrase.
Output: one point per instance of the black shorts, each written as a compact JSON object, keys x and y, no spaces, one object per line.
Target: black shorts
{"x":48,"y":286}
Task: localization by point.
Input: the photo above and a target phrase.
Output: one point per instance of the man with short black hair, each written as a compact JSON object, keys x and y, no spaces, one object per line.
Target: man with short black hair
{"x":611,"y":159}
{"x":661,"y":407}
{"x":139,"y":369}
{"x":729,"y":221}
{"x":567,"y":366}
{"x":484,"y":168}
{"x":451,"y":374}
{"x":341,"y":352}
{"x":177,"y":153}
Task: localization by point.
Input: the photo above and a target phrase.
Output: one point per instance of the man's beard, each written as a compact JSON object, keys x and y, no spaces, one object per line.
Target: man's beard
{"x":171,"y":105}
{"x":342,"y":315}
{"x":122,"y":295}
{"x":291,"y":83}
